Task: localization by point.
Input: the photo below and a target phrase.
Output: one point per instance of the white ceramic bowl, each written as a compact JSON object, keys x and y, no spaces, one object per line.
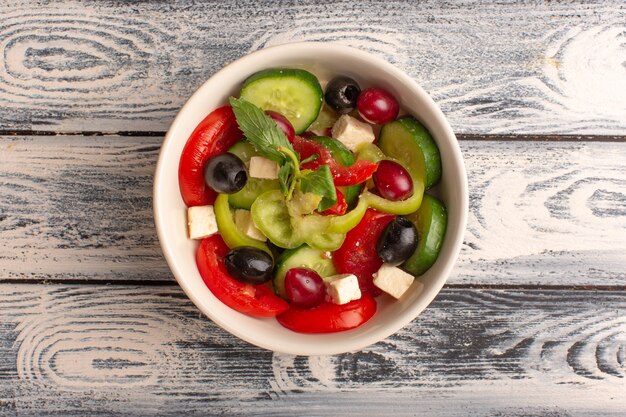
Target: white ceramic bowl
{"x":325,"y":60}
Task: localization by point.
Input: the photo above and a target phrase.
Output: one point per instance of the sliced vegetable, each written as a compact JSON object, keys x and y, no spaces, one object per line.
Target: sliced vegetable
{"x":409,"y":142}
{"x":271,"y":216}
{"x":231,"y":234}
{"x":340,"y":206}
{"x":214,"y":135}
{"x":328,"y":317}
{"x":357,"y":173}
{"x":325,"y":120}
{"x":254,"y":300}
{"x":358,"y":254}
{"x":294,"y":93}
{"x":430,"y":222}
{"x":302,"y":257}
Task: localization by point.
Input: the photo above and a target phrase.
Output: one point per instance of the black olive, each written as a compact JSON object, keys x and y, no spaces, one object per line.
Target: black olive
{"x":342,"y":93}
{"x":398,"y":241}
{"x":225,"y":173}
{"x":249,"y":265}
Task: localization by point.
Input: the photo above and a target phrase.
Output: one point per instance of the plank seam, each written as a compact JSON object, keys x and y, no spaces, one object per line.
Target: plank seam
{"x":460,"y":136}
{"x":168,"y":283}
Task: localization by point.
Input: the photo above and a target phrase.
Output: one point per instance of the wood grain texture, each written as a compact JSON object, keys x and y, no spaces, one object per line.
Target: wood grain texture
{"x":541,"y":213}
{"x":519,"y":67}
{"x":95,"y":350}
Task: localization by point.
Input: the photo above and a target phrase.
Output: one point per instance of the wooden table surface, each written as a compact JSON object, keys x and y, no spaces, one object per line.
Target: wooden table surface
{"x":532,"y":321}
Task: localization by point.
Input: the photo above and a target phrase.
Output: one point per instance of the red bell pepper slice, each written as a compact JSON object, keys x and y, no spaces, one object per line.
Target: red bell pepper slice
{"x":214,"y":135}
{"x":254,"y":300}
{"x":340,"y":207}
{"x":356,"y":173}
{"x":328,"y":317}
{"x":357,"y":255}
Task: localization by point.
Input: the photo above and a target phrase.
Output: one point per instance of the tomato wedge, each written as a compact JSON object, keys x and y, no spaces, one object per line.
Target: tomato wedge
{"x":215,"y":134}
{"x":328,"y":317}
{"x":356,"y":173}
{"x":254,"y":300}
{"x":358,"y":254}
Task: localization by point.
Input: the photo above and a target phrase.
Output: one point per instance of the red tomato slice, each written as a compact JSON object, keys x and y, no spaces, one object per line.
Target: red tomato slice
{"x":215,"y":134}
{"x":356,"y":173}
{"x":340,"y":207}
{"x":254,"y":300}
{"x":328,"y":317}
{"x":358,"y":254}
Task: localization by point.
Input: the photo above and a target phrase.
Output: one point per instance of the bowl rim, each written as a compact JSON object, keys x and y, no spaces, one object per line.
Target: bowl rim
{"x":408,"y":315}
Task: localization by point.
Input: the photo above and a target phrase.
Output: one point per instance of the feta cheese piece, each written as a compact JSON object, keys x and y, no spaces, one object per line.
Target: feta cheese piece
{"x":343,"y":288}
{"x":201,"y":221}
{"x":352,"y":132}
{"x":244,"y":222}
{"x":263,"y":168}
{"x":393,"y":280}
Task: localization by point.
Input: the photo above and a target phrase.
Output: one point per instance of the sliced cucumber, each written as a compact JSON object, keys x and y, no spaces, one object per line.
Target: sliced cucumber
{"x":306,"y":257}
{"x":408,"y":141}
{"x":295,"y":93}
{"x":430,"y":221}
{"x":254,"y":187}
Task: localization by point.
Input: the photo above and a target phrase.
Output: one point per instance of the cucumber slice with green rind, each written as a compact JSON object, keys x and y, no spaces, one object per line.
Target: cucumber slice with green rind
{"x":306,"y":257}
{"x":430,"y":222}
{"x":408,"y":141}
{"x":294,"y":93}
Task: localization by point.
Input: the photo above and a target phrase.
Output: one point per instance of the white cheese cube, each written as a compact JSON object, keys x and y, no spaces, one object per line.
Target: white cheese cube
{"x":343,"y":288}
{"x":263,"y":168}
{"x":201,"y":222}
{"x":352,"y":132}
{"x":244,"y":222}
{"x":393,"y":280}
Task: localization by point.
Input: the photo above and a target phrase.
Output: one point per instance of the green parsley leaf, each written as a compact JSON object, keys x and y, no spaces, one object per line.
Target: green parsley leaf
{"x":260,"y":129}
{"x":320,"y":182}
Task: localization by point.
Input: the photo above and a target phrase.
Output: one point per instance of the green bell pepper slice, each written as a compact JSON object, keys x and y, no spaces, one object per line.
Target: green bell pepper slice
{"x":230,"y":232}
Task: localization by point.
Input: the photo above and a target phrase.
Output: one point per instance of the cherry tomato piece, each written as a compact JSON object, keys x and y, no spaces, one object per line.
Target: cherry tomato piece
{"x":328,"y":317}
{"x":377,"y":106}
{"x":283,"y":123}
{"x":254,"y":300}
{"x":304,"y":287}
{"x":358,"y":254}
{"x":214,"y":135}
{"x":392,"y":181}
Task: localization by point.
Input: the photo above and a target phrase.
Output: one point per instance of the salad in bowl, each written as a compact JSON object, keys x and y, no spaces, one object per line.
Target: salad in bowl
{"x":314,"y":201}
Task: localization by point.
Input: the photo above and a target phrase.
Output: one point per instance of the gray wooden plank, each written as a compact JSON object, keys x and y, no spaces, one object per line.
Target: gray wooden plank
{"x":510,"y":67}
{"x":74,"y":208}
{"x":122,"y":350}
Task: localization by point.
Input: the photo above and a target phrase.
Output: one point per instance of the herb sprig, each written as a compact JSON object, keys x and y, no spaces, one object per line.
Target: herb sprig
{"x":270,"y":141}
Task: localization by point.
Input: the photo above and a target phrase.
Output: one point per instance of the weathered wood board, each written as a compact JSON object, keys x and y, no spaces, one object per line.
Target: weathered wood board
{"x":519,"y":67}
{"x":92,"y":350}
{"x":546,"y":213}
